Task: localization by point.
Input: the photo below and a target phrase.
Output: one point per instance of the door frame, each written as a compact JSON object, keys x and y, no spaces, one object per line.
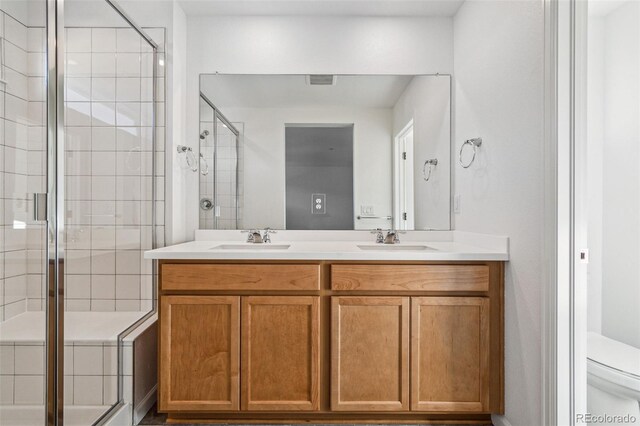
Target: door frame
{"x":398,"y":178}
{"x":564,"y":292}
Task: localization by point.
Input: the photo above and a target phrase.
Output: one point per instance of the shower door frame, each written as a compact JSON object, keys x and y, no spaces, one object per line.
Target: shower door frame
{"x":55,"y":248}
{"x":217,"y":115}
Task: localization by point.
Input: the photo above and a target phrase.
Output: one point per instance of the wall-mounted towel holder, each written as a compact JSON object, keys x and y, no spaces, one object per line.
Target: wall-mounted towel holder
{"x":473,"y":143}
{"x":426,"y":173}
{"x":189,"y":156}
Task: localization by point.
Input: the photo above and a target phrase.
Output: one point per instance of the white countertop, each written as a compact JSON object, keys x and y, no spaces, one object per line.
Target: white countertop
{"x":339,"y":245}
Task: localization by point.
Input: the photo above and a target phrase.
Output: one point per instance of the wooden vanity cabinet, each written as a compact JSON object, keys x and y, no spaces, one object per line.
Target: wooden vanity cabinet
{"x":370,"y":353}
{"x":450,"y":354}
{"x":280,"y":353}
{"x":315,"y":341}
{"x":199,"y":353}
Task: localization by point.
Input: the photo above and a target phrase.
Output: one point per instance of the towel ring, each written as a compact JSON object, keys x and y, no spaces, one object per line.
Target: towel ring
{"x":204,"y":165}
{"x":190,"y":157}
{"x":432,"y":163}
{"x":475,"y":144}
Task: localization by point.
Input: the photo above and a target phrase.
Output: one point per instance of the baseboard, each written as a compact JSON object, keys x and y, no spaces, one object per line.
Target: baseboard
{"x":141,"y":409}
{"x":499,"y":420}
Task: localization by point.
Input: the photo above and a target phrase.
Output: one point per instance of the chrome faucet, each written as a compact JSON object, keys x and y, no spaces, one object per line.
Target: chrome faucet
{"x":254,"y":236}
{"x":266,"y":238}
{"x":392,"y":237}
{"x":379,"y":235}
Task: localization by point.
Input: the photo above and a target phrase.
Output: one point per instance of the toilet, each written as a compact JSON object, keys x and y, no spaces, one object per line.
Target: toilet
{"x":613,"y":380}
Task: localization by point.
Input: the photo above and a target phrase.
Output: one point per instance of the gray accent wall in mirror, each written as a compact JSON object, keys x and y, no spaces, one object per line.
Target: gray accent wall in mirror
{"x":339,"y":152}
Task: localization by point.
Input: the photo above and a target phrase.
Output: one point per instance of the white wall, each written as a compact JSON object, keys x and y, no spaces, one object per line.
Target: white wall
{"x":264,"y":159}
{"x":621,"y":176}
{"x":304,"y":45}
{"x":595,"y":152}
{"x":498,"y":92}
{"x":426,"y":101}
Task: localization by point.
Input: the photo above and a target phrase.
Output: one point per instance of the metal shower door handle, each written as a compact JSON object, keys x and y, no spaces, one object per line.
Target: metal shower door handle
{"x":40,"y":206}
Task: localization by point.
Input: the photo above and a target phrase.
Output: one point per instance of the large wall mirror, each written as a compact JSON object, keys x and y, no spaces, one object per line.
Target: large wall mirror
{"x":332,"y":152}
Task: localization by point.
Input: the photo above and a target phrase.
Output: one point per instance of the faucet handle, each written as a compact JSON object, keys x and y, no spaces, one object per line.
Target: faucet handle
{"x":266,"y":238}
{"x":379,"y":235}
{"x":251,"y":238}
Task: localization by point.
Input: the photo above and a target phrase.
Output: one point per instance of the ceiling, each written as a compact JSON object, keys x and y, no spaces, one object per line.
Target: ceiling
{"x":293,"y":91}
{"x":322,"y":7}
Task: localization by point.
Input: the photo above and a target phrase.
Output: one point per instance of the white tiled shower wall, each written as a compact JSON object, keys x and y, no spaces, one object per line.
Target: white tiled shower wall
{"x":109,"y":167}
{"x":21,"y":159}
{"x":91,"y":373}
{"x":222,"y":175}
{"x":108,"y":191}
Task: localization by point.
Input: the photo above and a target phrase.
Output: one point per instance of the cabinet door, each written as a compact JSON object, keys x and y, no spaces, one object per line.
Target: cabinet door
{"x":450,"y":354}
{"x":199,"y":353}
{"x":280,"y":353}
{"x":370,"y":353}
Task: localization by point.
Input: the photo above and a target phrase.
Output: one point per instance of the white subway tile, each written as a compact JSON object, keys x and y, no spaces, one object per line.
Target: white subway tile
{"x":103,"y":238}
{"x":29,"y":360}
{"x":101,"y":305}
{"x":15,"y":32}
{"x":78,"y":286}
{"x":128,"y":90}
{"x":110,"y":390}
{"x":36,"y":39}
{"x":78,"y":305}
{"x":87,"y":390}
{"x":128,"y":40}
{"x":78,"y":138}
{"x":87,"y":360}
{"x":103,"y":64}
{"x":103,"y":113}
{"x":103,"y":139}
{"x":103,"y":163}
{"x":103,"y":40}
{"x":78,"y":65}
{"x":103,"y":286}
{"x":7,"y":354}
{"x":103,"y":89}
{"x":6,"y":390}
{"x":29,"y":390}
{"x":103,"y":187}
{"x":78,"y":114}
{"x":103,"y":262}
{"x":78,"y":40}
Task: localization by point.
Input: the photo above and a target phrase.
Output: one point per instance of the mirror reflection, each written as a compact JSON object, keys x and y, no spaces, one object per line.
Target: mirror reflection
{"x":325,"y":152}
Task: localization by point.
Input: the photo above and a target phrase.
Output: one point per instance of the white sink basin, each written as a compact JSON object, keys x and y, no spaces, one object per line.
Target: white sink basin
{"x":396,"y":247}
{"x":251,"y":246}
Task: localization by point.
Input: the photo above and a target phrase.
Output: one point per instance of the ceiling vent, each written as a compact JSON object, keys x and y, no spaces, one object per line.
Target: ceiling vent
{"x":321,"y":79}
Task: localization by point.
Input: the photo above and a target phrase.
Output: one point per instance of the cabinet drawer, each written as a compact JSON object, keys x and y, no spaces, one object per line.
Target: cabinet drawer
{"x":410,"y":277}
{"x":184,"y":276}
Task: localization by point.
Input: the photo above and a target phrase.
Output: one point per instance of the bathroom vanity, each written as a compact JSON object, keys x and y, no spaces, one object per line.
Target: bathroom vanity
{"x":331,"y":331}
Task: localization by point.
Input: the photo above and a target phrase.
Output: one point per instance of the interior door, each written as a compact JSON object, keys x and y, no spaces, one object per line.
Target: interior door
{"x":403,"y":179}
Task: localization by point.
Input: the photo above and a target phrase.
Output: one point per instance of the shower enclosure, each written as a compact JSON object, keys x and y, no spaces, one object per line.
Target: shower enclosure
{"x":80,"y":187}
{"x":220,"y":201}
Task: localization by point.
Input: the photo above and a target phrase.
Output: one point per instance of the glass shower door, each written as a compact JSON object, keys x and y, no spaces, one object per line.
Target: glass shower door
{"x":23,"y":240}
{"x":109,"y":218}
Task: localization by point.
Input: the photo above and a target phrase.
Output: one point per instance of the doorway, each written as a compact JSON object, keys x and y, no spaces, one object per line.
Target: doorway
{"x":403,"y":193}
{"x":319,"y":176}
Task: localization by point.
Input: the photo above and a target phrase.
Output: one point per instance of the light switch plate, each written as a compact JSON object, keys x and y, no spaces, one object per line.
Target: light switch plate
{"x":367,"y":211}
